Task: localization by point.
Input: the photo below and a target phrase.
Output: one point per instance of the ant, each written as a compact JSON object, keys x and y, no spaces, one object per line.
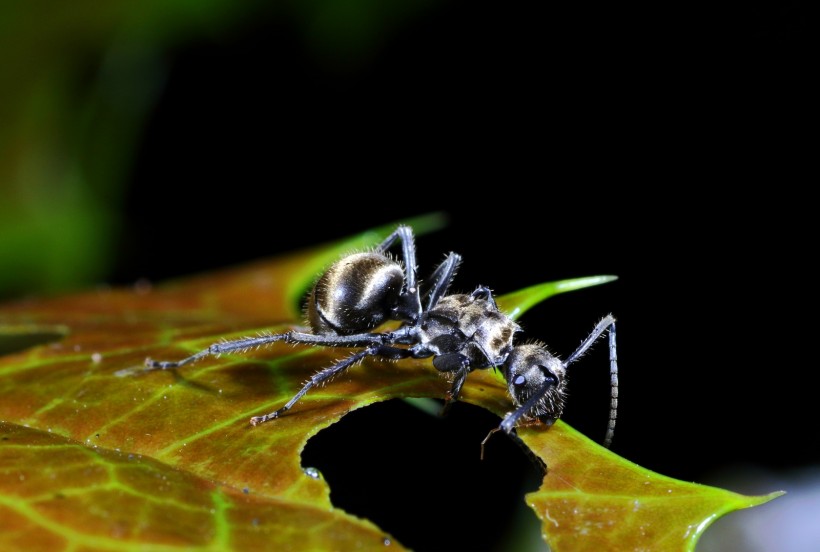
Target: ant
{"x":462,"y":332}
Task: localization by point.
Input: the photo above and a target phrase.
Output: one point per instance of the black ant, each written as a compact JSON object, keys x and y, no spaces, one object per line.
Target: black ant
{"x":461,"y":332}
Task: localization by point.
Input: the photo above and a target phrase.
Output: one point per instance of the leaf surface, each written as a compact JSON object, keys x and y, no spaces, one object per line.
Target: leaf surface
{"x":98,"y":454}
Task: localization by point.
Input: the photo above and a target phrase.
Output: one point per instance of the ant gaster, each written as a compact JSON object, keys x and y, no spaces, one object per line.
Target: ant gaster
{"x":462,"y":332}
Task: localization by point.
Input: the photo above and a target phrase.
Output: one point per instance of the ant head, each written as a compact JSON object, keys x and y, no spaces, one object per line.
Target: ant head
{"x":535,"y":378}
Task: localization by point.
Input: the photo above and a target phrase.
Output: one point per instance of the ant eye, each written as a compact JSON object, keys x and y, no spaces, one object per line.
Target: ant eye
{"x":519,"y":381}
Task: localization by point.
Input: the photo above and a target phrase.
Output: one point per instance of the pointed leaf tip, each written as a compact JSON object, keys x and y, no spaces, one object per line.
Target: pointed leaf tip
{"x":592,"y":499}
{"x":518,"y":302}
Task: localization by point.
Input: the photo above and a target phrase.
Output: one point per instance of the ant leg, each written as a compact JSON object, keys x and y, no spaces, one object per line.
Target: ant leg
{"x":458,"y":383}
{"x":483,"y":292}
{"x":411,"y":309}
{"x":404,"y":335}
{"x":453,"y":362}
{"x":217,"y":349}
{"x":405,"y":234}
{"x":508,"y":424}
{"x":355,"y":340}
{"x":393,"y":353}
{"x":442,"y":277}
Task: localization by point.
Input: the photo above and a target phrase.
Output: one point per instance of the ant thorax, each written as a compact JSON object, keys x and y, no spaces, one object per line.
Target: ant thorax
{"x":471,"y":326}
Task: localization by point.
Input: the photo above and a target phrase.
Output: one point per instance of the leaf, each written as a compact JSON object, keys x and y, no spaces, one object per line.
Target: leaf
{"x":96,"y":453}
{"x":594,"y":500}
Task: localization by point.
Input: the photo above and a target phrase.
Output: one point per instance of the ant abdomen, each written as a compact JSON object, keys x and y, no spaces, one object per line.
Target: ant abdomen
{"x":356,"y":294}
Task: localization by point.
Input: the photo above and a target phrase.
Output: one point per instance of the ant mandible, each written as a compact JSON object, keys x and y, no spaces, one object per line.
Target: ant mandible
{"x":462,"y":332}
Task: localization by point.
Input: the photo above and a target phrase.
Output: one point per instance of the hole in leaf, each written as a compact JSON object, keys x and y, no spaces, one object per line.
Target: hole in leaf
{"x":420,"y":478}
{"x":16,"y":341}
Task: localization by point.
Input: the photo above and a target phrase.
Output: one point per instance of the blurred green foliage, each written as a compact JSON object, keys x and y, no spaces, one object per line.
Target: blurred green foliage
{"x":77,"y":83}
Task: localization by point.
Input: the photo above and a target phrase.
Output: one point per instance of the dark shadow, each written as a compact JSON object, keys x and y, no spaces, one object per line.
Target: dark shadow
{"x":420,"y":478}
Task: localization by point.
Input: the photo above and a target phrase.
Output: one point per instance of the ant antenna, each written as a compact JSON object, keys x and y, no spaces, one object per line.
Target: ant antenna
{"x":607,"y":322}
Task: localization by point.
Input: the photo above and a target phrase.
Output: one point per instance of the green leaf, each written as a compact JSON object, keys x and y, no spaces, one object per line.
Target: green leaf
{"x":517,"y":303}
{"x":98,"y":454}
{"x":592,"y":499}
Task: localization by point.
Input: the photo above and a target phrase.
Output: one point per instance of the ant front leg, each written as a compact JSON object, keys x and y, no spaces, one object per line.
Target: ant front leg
{"x":460,"y":365}
{"x":510,"y":421}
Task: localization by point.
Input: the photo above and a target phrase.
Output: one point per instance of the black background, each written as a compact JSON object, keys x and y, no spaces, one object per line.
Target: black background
{"x":662,"y":145}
